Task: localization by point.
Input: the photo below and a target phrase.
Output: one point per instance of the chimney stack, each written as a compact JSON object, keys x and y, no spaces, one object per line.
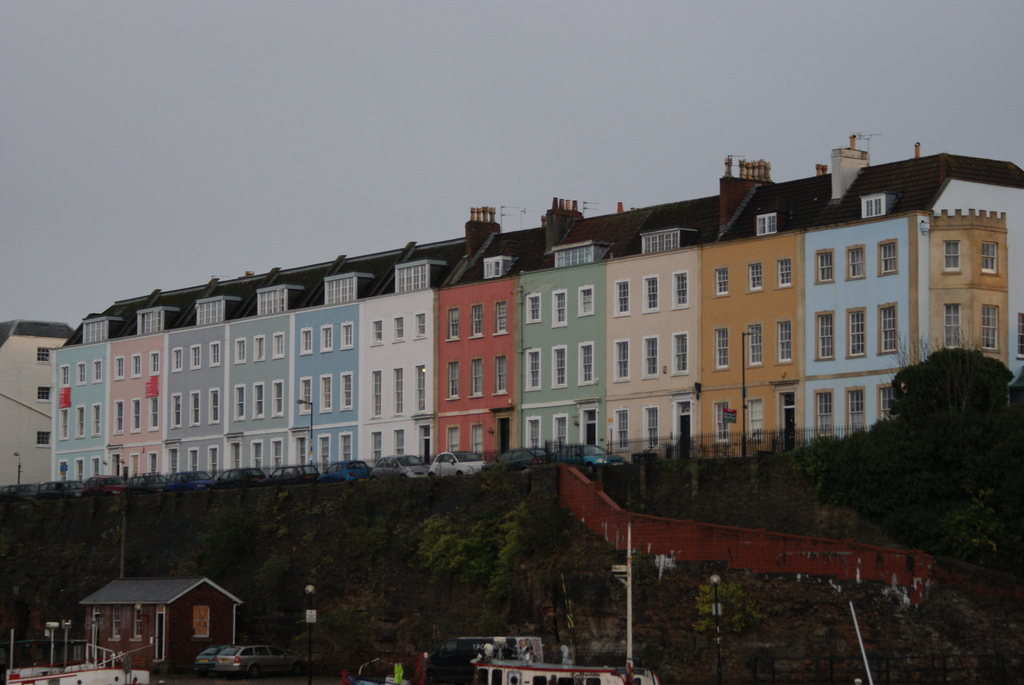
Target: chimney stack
{"x":733,"y":190}
{"x":480,"y":226}
{"x":559,"y":220}
{"x":846,"y":164}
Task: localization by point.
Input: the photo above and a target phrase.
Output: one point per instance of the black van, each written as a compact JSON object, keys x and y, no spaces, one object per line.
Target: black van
{"x":452,"y":662}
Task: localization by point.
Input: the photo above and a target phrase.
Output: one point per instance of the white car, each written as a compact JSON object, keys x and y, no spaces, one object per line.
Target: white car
{"x":456,"y":464}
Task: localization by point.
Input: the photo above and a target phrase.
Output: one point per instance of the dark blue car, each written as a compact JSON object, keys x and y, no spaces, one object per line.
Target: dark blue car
{"x":186,"y":481}
{"x":344,"y":471}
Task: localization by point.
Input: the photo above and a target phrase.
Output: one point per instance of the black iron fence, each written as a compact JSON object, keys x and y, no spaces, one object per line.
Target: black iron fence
{"x":888,"y":669}
{"x":725,"y":444}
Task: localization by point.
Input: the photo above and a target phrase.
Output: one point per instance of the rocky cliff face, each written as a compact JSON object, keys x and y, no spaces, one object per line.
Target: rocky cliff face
{"x":401,"y":566}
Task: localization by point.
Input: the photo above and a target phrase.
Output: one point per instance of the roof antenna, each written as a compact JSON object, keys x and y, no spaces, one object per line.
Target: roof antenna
{"x":501,"y":217}
{"x":867,"y":137}
{"x":589,"y":205}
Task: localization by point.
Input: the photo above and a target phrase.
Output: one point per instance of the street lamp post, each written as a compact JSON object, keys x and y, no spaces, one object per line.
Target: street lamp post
{"x":310,"y":620}
{"x":309,"y":403}
{"x":18,"y":455}
{"x":716,"y":609}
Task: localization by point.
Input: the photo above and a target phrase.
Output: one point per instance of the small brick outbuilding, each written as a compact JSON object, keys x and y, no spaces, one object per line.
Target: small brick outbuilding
{"x":161,"y":620}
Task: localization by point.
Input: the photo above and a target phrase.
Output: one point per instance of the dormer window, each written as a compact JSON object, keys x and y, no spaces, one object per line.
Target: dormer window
{"x":496,"y":267}
{"x":767,"y":224}
{"x":660,"y":241}
{"x":95,"y":331}
{"x":413,"y":276}
{"x":274,"y":300}
{"x":339,"y":290}
{"x":877,"y":204}
{"x":152,"y":320}
{"x":212,"y":310}
{"x":343,"y":287}
{"x":572,"y":255}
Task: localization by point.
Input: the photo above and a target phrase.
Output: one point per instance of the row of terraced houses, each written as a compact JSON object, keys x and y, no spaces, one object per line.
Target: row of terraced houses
{"x":729,"y":324}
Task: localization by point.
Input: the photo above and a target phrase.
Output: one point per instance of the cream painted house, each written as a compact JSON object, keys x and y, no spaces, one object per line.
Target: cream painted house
{"x":27,"y":398}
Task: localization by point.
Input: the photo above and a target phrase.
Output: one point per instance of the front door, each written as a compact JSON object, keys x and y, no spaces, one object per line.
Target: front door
{"x":504,"y":431}
{"x":683,"y":444}
{"x":424,"y":443}
{"x":788,"y":421}
{"x":161,"y":616}
{"x":590,"y":426}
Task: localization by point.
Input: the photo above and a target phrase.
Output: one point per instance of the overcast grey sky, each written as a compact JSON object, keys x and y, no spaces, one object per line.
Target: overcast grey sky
{"x":150,"y":145}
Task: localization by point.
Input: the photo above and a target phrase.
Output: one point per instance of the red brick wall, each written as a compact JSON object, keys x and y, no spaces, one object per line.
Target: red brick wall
{"x":182,"y":644}
{"x":742,"y":548}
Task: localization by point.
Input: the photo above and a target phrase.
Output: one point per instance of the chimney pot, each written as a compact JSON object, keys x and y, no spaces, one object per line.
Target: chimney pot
{"x":574,"y":206}
{"x":917,"y":150}
{"x":728,"y":167}
{"x":853,"y":141}
{"x":620,"y":208}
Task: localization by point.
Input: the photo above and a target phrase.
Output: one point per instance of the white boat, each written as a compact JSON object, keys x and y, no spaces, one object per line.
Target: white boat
{"x":106,"y":669}
{"x":524,"y":671}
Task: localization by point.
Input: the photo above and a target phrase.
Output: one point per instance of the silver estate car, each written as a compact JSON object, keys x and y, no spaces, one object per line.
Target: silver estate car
{"x":255,"y":660}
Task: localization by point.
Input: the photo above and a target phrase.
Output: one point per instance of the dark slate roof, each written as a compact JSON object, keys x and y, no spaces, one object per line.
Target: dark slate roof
{"x":308,"y":279}
{"x":34,"y":329}
{"x":150,"y":590}
{"x":623,"y":232}
{"x":917,"y":182}
{"x":526,"y":247}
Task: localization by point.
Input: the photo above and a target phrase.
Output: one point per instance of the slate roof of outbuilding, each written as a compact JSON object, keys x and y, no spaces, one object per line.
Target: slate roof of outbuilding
{"x":150,"y":590}
{"x":34,"y":329}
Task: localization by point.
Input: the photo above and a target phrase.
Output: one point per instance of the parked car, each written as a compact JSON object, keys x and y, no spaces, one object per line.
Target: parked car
{"x":187,"y":481}
{"x":102,"y":486}
{"x":458,"y":463}
{"x":587,"y":456}
{"x":291,"y":475}
{"x":345,"y":471}
{"x":59,"y":489}
{"x":399,"y":465}
{"x":148,"y":484}
{"x":206,"y":660}
{"x":254,"y":660}
{"x":522,"y":458}
{"x":238,"y":478}
{"x":18,"y":493}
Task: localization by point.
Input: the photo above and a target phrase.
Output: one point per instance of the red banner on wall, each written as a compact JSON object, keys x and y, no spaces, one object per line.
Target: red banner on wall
{"x":65,"y":398}
{"x":153,"y":386}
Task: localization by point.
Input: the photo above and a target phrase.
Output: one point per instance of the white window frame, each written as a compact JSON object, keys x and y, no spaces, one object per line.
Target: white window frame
{"x":585,"y":371}
{"x":585,"y":301}
{"x":559,"y":366}
{"x":621,"y":360}
{"x":651,"y":354}
{"x":755,"y":344}
{"x":721,"y":348}
{"x":306,"y":341}
{"x":784,"y":272}
{"x":951,"y":256}
{"x":680,"y":353}
{"x":347,"y":335}
{"x":534,"y":313}
{"x":278,"y":352}
{"x":476,"y":377}
{"x":652,"y":296}
{"x":989,"y":258}
{"x":534,"y":373}
{"x":346,"y":390}
{"x":500,"y":375}
{"x":622,"y":298}
{"x":559,"y":309}
{"x":177,"y":359}
{"x":755,"y":277}
{"x":722,"y":281}
{"x":195,"y":357}
{"x":768,"y":223}
{"x":680,"y":289}
{"x":215,"y":353}
{"x":327,"y":338}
